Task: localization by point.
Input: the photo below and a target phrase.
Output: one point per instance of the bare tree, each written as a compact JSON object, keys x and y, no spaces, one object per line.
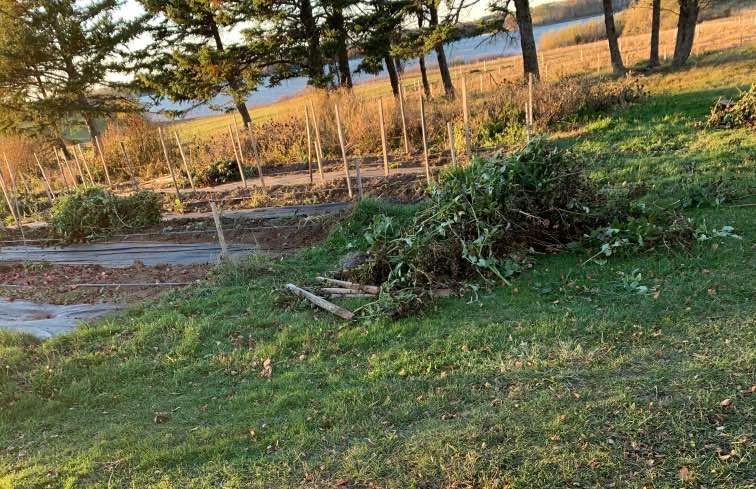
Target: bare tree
{"x":686,"y":29}
{"x":653,"y":59}
{"x":611,"y":37}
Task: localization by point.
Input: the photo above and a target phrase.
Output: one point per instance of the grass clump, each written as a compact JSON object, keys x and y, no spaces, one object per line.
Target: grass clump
{"x":739,"y":112}
{"x":92,"y":212}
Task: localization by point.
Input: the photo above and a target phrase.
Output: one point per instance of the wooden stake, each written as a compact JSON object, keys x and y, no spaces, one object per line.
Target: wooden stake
{"x":50,"y":192}
{"x":239,"y":156}
{"x":404,"y":120}
{"x":383,"y":138}
{"x":466,"y":119}
{"x":343,"y":151}
{"x":84,"y":161}
{"x":62,"y":171}
{"x":370,"y":289}
{"x":480,"y":80}
{"x":8,"y":200}
{"x":219,"y":229}
{"x":318,"y":145}
{"x":530,"y":103}
{"x":126,"y":157}
{"x":256,"y":154}
{"x":168,"y":162}
{"x":309,"y":144}
{"x":78,"y":166}
{"x":425,"y":141}
{"x":102,"y":160}
{"x":241,"y":151}
{"x":451,"y":143}
{"x":183,"y":159}
{"x":14,"y":196}
{"x":320,"y":302}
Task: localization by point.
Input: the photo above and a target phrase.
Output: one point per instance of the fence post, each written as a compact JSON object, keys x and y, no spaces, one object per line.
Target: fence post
{"x":183,"y":159}
{"x":256,"y":154}
{"x":239,"y":155}
{"x":102,"y":159}
{"x":168,"y":162}
{"x":309,"y":144}
{"x":425,"y":140}
{"x":343,"y":151}
{"x":383,"y":138}
{"x":126,"y":157}
{"x":466,"y":118}
{"x":530,"y":103}
{"x":219,"y":229}
{"x":84,"y":161}
{"x":318,"y":146}
{"x":14,"y":194}
{"x":404,"y":120}
{"x":451,"y":143}
{"x":44,"y":176}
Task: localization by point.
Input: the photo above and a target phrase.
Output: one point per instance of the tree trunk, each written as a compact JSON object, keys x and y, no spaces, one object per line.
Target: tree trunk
{"x":393,"y":76}
{"x":443,"y":66}
{"x":424,"y":76}
{"x":61,"y":145}
{"x":527,"y":40}
{"x":686,"y":31}
{"x":611,"y":36}
{"x":234,"y":82}
{"x":653,"y":58}
{"x":315,"y":62}
{"x":336,"y":22}
{"x":91,"y":127}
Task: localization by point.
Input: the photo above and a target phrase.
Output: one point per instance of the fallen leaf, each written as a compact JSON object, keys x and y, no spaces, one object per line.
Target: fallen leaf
{"x":684,"y":473}
{"x":267,"y":369}
{"x":726,"y":403}
{"x":161,"y":417}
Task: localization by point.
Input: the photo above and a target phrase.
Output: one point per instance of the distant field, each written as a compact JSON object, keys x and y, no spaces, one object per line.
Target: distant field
{"x":592,"y":57}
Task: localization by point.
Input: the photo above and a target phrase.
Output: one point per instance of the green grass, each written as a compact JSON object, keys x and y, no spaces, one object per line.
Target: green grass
{"x":564,"y":379}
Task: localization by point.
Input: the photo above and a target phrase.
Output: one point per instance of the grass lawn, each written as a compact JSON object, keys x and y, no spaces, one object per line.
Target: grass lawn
{"x":568,"y":378}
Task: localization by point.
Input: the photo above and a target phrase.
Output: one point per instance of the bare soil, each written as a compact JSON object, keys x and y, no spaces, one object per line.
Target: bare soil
{"x":59,"y":284}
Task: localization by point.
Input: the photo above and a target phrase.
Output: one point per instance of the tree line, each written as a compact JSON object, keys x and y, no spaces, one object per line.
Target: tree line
{"x":65,"y":62}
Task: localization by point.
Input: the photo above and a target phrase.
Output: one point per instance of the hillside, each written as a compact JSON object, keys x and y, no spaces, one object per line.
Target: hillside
{"x":636,"y":372}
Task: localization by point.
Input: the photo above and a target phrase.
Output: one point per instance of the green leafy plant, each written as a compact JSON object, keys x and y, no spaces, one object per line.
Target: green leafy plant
{"x":92,"y":212}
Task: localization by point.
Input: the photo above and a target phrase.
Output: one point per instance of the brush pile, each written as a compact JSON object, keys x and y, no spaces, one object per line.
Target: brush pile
{"x":731,"y":114}
{"x":482,"y":221}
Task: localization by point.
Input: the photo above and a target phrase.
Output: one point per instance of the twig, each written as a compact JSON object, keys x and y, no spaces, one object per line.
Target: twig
{"x":370,"y":289}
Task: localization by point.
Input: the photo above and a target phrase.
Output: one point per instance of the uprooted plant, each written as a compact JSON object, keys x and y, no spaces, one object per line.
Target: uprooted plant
{"x":483,"y":219}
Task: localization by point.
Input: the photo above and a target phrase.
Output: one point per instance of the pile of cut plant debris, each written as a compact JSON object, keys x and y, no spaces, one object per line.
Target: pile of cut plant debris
{"x":484,"y":221}
{"x":738,"y":112}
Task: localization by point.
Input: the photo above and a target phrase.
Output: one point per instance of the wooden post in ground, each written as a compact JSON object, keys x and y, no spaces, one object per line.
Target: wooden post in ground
{"x":8,"y":200}
{"x":183,"y":159}
{"x":318,"y":145}
{"x":466,"y":119}
{"x":126,"y":157}
{"x":60,"y":166}
{"x":219,"y":230}
{"x":239,"y":155}
{"x":78,"y":166}
{"x":425,"y":141}
{"x":44,"y":177}
{"x":102,"y":160}
{"x":71,"y":176}
{"x":404,"y":120}
{"x":343,"y":151}
{"x":168,"y":162}
{"x":256,"y":154}
{"x":14,"y":193}
{"x":309,"y":144}
{"x":450,"y":132}
{"x":84,"y":161}
{"x":530,"y":105}
{"x":383,"y":138}
{"x":481,"y":82}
